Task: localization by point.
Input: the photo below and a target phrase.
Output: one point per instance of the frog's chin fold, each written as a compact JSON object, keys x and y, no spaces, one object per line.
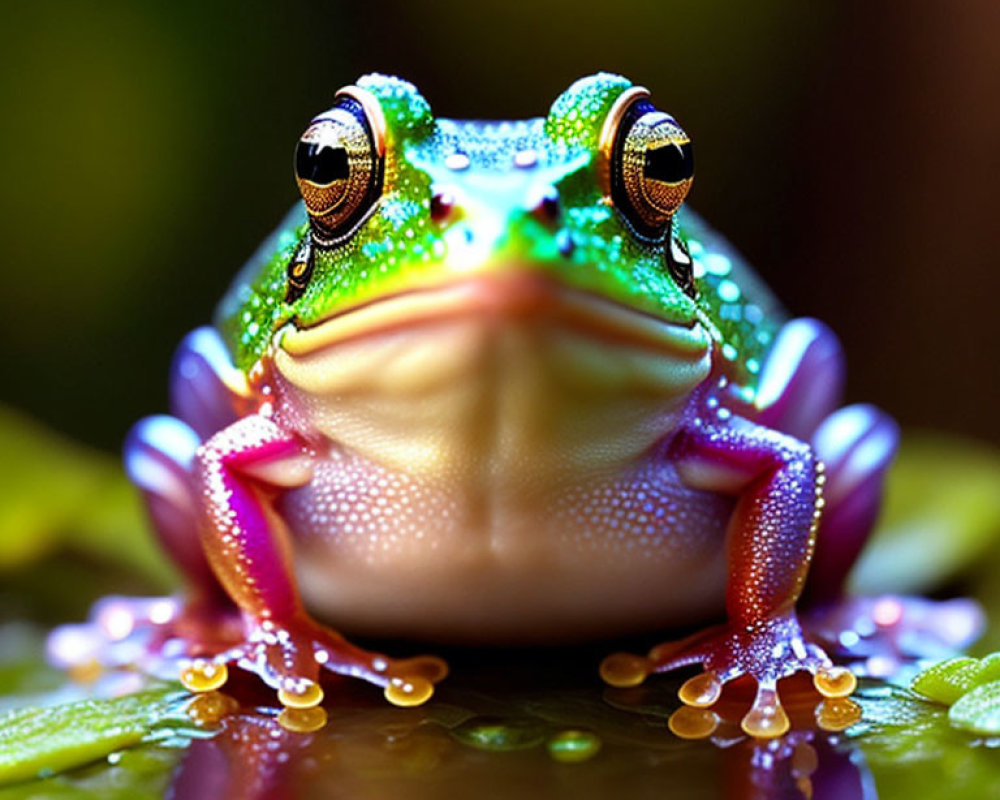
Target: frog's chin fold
{"x":506,"y":297}
{"x":509,"y":370}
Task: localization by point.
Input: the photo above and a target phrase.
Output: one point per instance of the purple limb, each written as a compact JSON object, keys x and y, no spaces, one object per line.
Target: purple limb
{"x":205,"y":388}
{"x":802,"y":378}
{"x":158,"y":455}
{"x":857,"y":445}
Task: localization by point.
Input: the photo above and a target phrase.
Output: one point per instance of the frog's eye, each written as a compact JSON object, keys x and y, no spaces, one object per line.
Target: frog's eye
{"x":646,"y":163}
{"x":339,"y":164}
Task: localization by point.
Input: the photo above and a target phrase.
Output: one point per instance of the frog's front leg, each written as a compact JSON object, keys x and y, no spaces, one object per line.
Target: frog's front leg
{"x":238,"y":473}
{"x":777,"y":483}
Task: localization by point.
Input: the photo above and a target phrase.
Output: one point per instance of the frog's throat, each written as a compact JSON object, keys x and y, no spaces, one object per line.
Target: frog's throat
{"x":509,"y":378}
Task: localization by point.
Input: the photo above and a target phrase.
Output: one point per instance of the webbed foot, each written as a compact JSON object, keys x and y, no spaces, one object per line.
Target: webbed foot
{"x":289,"y":656}
{"x":769,"y":651}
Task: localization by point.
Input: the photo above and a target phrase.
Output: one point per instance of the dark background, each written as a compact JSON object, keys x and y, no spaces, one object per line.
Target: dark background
{"x":850,"y":149}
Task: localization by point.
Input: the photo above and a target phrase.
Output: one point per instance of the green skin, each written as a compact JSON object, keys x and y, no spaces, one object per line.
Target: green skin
{"x":613,"y":390}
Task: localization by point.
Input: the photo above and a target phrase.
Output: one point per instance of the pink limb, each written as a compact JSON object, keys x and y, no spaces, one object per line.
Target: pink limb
{"x":238,"y":472}
{"x":777,"y":482}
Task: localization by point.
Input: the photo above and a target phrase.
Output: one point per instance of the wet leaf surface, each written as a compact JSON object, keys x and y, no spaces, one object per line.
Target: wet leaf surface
{"x":36,"y":741}
{"x":978,"y":711}
{"x":948,"y":680}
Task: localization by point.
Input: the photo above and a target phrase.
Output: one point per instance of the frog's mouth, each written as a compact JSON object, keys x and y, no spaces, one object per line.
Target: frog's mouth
{"x":510,"y":297}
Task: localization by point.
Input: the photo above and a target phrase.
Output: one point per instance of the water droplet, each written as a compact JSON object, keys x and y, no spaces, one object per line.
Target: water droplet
{"x":209,"y":708}
{"x":693,"y":723}
{"x":303,"y":720}
{"x":837,"y":714}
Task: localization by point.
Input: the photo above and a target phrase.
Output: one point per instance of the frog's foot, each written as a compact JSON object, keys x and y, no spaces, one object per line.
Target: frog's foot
{"x":289,"y":655}
{"x":769,"y":651}
{"x":888,"y":630}
{"x":192,"y":627}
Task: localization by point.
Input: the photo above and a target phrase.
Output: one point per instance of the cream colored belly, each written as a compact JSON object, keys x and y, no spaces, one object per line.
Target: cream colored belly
{"x":378,"y":553}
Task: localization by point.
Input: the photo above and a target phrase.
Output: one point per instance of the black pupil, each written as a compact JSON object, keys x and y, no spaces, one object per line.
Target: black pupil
{"x":670,"y":163}
{"x":321,"y":164}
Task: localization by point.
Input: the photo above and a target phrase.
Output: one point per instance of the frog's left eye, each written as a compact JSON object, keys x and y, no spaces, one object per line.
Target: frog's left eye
{"x":647,"y":165}
{"x":339,"y":163}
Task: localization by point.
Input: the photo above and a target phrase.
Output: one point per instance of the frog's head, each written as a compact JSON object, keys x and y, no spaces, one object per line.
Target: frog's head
{"x":408,"y":217}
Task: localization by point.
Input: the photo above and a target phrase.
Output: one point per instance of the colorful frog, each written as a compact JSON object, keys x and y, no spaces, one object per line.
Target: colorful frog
{"x":489,"y":382}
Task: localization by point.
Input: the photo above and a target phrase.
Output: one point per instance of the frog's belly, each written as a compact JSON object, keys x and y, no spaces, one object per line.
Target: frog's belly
{"x":378,"y":553}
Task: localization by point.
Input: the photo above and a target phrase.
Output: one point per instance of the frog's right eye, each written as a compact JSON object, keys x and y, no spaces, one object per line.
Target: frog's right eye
{"x":339,"y":164}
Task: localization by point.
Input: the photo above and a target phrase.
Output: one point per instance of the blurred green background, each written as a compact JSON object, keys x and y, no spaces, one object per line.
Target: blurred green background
{"x":848,"y":148}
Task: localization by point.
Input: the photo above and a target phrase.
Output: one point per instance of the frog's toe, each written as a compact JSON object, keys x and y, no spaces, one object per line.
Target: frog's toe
{"x":290,"y":657}
{"x":624,"y":670}
{"x":766,"y":718}
{"x":411,"y":680}
{"x":701,"y":691}
{"x":281,"y":657}
{"x":202,"y":675}
{"x":405,"y":682}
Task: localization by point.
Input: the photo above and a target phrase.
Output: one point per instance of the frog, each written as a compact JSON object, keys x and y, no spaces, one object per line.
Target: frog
{"x":495,"y":383}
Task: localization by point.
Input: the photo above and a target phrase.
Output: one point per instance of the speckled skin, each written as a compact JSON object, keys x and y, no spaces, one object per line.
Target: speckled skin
{"x":506,"y":422}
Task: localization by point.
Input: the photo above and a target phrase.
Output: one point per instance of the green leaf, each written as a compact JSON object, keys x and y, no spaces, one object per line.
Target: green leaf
{"x":500,"y":734}
{"x":941,"y":514}
{"x":54,"y":494}
{"x":948,"y":680}
{"x":36,"y":741}
{"x":978,"y":711}
{"x":142,"y":773}
{"x":914,"y":752}
{"x":573,"y":746}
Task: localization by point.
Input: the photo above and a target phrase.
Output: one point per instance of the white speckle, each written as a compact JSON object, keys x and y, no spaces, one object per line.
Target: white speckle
{"x":161,"y":612}
{"x":729,"y":292}
{"x":717,"y":264}
{"x":525,"y":158}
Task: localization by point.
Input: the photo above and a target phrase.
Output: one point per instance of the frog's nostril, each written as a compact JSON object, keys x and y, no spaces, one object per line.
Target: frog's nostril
{"x":565,"y":243}
{"x":545,"y":207}
{"x":442,"y":206}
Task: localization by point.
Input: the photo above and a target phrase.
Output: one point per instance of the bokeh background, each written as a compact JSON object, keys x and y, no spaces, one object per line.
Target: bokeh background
{"x":850,"y":149}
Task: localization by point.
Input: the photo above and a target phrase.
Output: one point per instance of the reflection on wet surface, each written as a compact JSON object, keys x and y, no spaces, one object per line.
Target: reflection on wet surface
{"x":521,"y":728}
